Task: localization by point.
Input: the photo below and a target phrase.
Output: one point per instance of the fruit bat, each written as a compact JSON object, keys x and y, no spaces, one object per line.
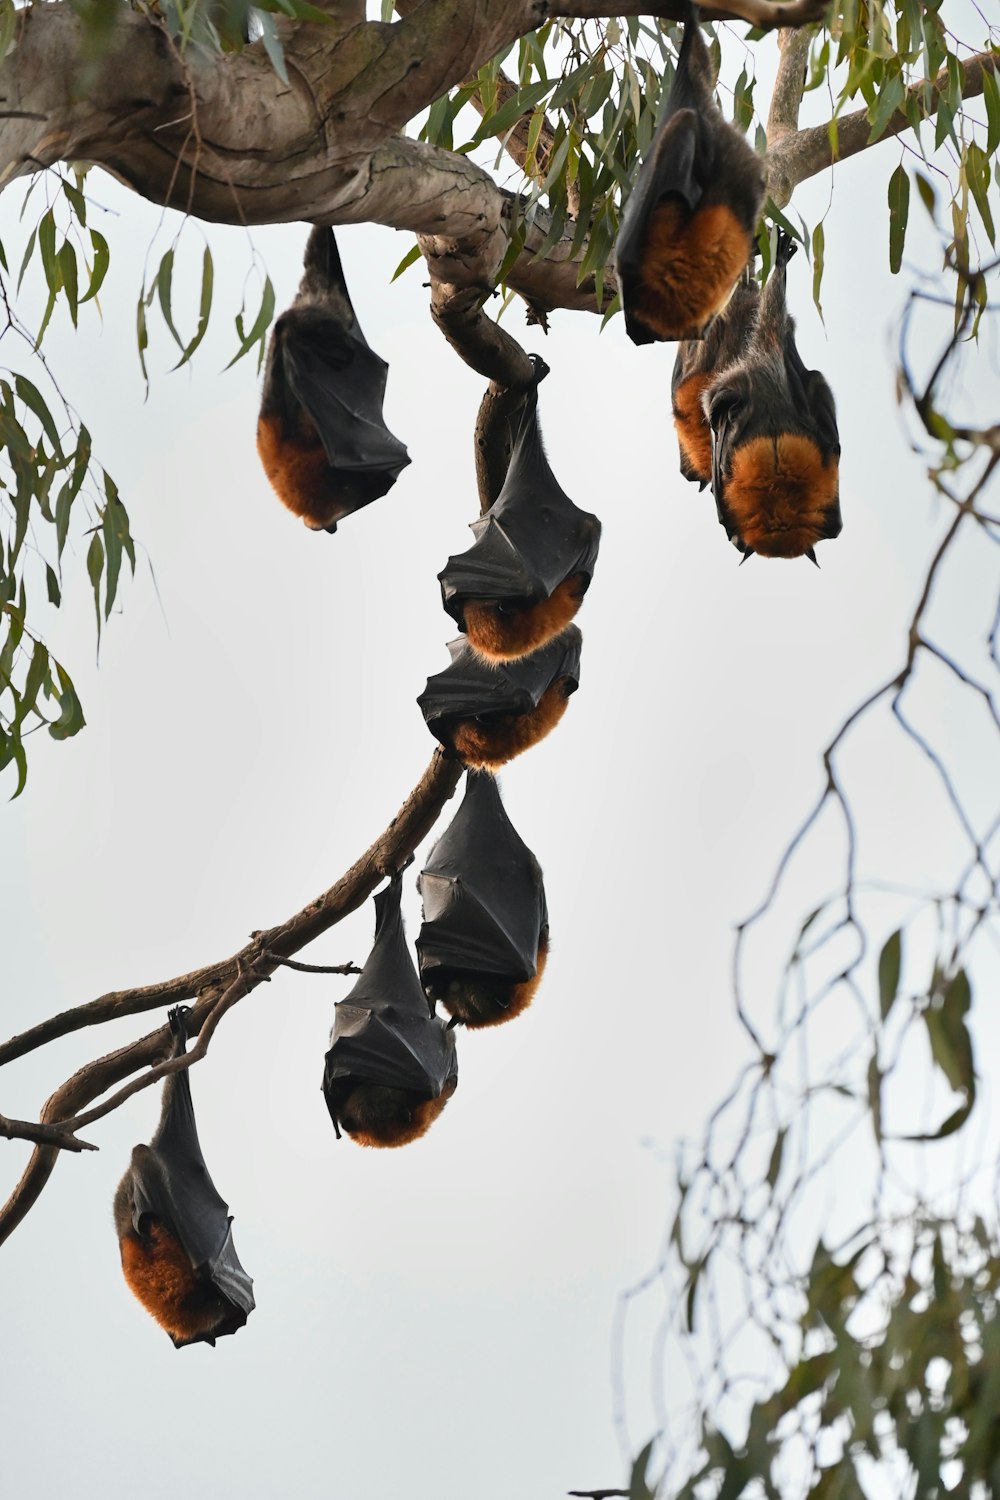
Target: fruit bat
{"x":391,"y":1067}
{"x":687,"y":229}
{"x":485,"y":713}
{"x":775,"y":445}
{"x":485,"y":936}
{"x":524,"y":579}
{"x":698,"y":362}
{"x":174,"y":1229}
{"x":320,"y":434}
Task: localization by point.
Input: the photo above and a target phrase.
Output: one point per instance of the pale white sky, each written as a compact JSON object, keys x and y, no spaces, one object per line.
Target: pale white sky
{"x":433,"y":1322}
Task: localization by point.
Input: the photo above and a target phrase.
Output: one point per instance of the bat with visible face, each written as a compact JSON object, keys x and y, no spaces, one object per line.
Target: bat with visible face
{"x":485,"y":713}
{"x":524,"y":579}
{"x":698,"y":362}
{"x":485,"y":935}
{"x":687,"y":229}
{"x":392,"y":1066}
{"x":320,"y":434}
{"x":775,"y":444}
{"x":174,"y":1229}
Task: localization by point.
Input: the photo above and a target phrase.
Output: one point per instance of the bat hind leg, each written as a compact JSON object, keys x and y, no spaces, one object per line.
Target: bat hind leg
{"x":485,"y":1000}
{"x":375,"y":1115}
{"x":506,"y":630}
{"x":489,"y":742}
{"x":690,"y":265}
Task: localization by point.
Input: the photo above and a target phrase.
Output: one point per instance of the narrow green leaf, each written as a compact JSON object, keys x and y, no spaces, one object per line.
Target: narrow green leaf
{"x":33,"y":399}
{"x":70,"y":279}
{"x":8,"y":26}
{"x":164,"y":286}
{"x":28,"y":251}
{"x":899,"y":209}
{"x":819,"y":263}
{"x":413,"y":254}
{"x":991,"y":98}
{"x":204,"y":307}
{"x":95,"y":567}
{"x":52,"y":586}
{"x":777,"y":1153}
{"x":889,"y":963}
{"x":102,"y":260}
{"x":47,"y":247}
{"x":509,"y":113}
{"x":77,"y":201}
{"x":890,"y":98}
{"x":260,"y":325}
{"x":70,"y":720}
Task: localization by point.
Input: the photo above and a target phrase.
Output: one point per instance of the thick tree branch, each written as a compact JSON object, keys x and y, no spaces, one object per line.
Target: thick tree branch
{"x":799,"y":156}
{"x":789,"y":85}
{"x":387,"y":854}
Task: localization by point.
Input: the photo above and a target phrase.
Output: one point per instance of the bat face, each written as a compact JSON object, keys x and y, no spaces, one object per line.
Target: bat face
{"x":524,"y":579}
{"x":687,"y":229}
{"x":174,"y":1232}
{"x":391,"y":1067}
{"x":321,"y":436}
{"x":484,"y":940}
{"x":486,"y":713}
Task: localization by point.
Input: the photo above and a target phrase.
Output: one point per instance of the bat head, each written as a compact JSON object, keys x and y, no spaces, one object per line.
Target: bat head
{"x":507,"y":629}
{"x":489,"y":741}
{"x":374,"y":1115}
{"x":480,"y":1000}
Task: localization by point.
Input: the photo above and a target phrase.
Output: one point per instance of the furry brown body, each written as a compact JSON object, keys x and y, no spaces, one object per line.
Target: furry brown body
{"x":688,"y":226}
{"x":374,"y":1115}
{"x":697,"y":364}
{"x":776,"y":448}
{"x":479,"y":1000}
{"x":508,"y":631}
{"x":159,"y":1274}
{"x":690,"y":263}
{"x":295,"y":462}
{"x":490,"y":741}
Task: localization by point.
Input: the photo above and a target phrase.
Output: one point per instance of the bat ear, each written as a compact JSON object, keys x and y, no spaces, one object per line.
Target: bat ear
{"x":747,"y":553}
{"x":812,"y":557}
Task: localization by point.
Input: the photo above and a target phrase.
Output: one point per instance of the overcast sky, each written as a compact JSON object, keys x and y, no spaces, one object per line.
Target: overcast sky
{"x":431,"y":1322}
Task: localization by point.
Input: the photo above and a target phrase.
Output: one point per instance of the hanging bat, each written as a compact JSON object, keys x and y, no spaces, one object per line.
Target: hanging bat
{"x":687,"y":229}
{"x":485,"y":713}
{"x":320,"y":434}
{"x":524,"y":579}
{"x":775,"y":444}
{"x":391,"y":1067}
{"x":698,"y":362}
{"x":174,"y":1229}
{"x":485,"y":936}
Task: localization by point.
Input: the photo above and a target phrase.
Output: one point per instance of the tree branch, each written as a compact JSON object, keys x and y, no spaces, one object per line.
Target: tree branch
{"x":386,"y":855}
{"x":789,"y":85}
{"x":799,"y":156}
{"x":48,"y":1135}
